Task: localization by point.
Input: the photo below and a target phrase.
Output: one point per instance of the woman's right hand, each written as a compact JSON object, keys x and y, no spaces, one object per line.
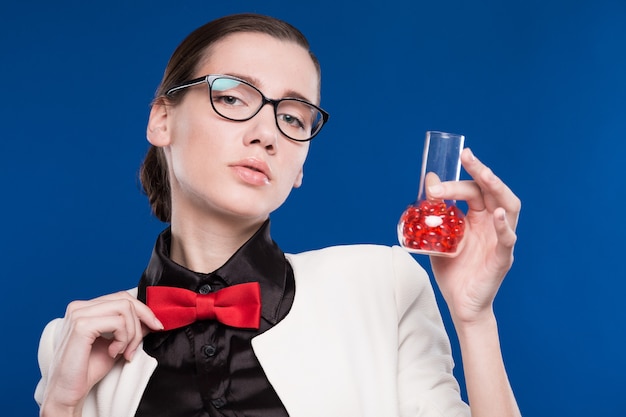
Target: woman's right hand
{"x":95,"y":335}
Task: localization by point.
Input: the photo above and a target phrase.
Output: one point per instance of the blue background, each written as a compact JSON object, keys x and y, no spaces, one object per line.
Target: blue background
{"x":537,"y":87}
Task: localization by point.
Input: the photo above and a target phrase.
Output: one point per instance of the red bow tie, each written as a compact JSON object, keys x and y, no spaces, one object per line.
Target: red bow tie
{"x":236,"y":306}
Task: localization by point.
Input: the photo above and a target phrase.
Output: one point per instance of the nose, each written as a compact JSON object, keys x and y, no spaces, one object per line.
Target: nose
{"x":263,"y":129}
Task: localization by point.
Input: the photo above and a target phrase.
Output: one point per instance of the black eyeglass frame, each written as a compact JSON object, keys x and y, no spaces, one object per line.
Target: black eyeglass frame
{"x":210,"y":78}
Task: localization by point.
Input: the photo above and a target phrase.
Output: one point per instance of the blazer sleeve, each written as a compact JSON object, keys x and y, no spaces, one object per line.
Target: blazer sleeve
{"x":44,"y":356}
{"x":426,"y":385}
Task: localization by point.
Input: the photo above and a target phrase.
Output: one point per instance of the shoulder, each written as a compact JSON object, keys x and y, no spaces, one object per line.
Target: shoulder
{"x":342,"y":253}
{"x":357,"y":257}
{"x":375,"y":265}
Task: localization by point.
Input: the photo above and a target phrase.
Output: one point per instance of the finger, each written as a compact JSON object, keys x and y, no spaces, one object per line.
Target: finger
{"x":506,"y":239}
{"x":138,"y":335}
{"x":147,"y":319}
{"x":495,"y":192}
{"x":141,"y":322}
{"x":467,"y":191}
{"x":77,"y":346}
{"x":133,"y":332}
{"x":144,"y":313}
{"x":431,"y":181}
{"x":114,"y":320}
{"x":126,"y":313}
{"x":85,"y":332}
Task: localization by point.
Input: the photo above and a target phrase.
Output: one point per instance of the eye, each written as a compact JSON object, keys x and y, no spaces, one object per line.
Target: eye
{"x":228,"y":93}
{"x":296,"y":116}
{"x":228,"y":100}
{"x":291,"y":120}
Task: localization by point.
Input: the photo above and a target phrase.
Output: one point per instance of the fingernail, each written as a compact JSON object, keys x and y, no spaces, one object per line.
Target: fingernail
{"x":435,"y":190}
{"x":471,"y":154}
{"x":158,"y":324}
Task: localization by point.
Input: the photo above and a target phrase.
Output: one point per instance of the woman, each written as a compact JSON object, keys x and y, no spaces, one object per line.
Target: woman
{"x":344,"y":331}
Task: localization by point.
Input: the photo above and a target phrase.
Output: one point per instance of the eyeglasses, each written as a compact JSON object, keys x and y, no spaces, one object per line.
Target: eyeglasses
{"x":238,"y":100}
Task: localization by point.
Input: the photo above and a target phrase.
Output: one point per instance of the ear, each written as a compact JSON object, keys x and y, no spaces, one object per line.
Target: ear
{"x":157,"y":131}
{"x":298,"y":182}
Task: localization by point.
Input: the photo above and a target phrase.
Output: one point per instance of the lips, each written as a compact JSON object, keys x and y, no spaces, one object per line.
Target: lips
{"x":253,"y":171}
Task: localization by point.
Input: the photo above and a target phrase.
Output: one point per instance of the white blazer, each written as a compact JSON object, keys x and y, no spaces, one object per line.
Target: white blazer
{"x":364,"y":337}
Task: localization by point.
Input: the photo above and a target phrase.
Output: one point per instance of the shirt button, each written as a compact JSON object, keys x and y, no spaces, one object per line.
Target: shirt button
{"x":219,"y":402}
{"x":209,"y":350}
{"x":205,"y":289}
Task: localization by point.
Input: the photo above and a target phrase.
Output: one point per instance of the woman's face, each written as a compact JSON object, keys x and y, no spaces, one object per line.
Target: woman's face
{"x":235,"y":170}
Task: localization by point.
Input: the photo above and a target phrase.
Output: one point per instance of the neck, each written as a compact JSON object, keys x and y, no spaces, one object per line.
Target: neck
{"x":204,"y":246}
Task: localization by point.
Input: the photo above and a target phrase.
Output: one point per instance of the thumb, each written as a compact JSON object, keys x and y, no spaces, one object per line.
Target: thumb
{"x":432,"y":185}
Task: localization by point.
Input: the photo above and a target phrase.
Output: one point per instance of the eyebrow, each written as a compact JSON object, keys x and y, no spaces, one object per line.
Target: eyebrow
{"x":255,"y":82}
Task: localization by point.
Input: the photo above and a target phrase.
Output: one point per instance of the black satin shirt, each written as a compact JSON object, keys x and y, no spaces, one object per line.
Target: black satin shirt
{"x":207,"y":368}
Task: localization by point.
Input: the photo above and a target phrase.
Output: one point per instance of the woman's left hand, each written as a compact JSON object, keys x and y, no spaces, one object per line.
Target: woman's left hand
{"x":469,"y":281}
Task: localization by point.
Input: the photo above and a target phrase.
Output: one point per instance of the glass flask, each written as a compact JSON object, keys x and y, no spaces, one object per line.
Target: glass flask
{"x":433,"y":226}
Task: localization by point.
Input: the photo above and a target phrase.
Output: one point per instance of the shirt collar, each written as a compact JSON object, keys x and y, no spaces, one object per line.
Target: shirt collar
{"x":258,"y":260}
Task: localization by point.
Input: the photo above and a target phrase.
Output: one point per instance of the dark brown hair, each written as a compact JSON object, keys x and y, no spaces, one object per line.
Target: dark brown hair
{"x":182,"y":67}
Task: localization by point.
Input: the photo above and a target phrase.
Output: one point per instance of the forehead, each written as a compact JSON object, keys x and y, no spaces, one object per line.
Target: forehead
{"x":276,"y":65}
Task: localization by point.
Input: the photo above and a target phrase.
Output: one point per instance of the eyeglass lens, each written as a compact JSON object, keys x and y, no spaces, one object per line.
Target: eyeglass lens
{"x":236,"y":100}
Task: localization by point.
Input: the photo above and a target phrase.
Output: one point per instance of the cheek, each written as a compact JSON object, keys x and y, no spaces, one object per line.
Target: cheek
{"x":297,"y":160}
{"x":191,"y":150}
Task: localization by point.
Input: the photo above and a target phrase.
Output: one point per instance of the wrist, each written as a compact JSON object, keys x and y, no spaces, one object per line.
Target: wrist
{"x":479,"y":322}
{"x":51,"y":409}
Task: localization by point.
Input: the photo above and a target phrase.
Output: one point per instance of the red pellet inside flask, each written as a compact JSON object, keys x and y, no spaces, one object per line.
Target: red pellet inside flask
{"x":431,"y":226}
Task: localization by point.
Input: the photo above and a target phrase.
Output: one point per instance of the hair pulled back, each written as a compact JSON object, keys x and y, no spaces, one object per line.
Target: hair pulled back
{"x":182,"y":67}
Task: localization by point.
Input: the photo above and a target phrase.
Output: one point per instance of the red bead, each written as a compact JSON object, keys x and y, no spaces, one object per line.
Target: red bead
{"x":444,"y":237}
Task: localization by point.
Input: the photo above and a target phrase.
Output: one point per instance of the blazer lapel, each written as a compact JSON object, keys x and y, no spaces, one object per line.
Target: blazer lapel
{"x":331,"y":355}
{"x":310,"y":373}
